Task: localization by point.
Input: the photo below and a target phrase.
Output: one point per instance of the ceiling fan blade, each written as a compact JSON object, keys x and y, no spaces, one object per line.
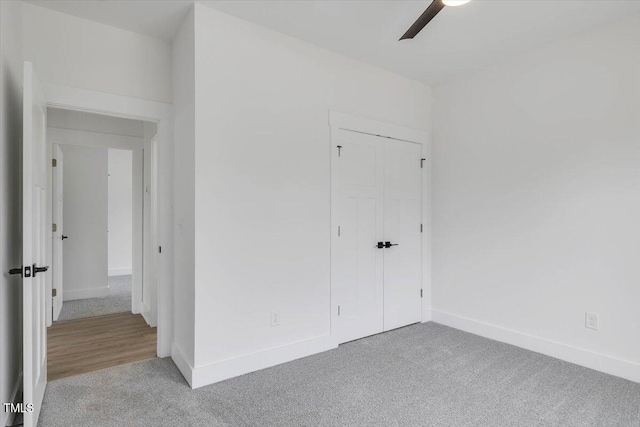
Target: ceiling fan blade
{"x":433,"y":9}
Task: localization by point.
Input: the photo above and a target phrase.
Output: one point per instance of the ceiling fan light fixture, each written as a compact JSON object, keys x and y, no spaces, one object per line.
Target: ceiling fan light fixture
{"x":434,"y":8}
{"x":455,"y":2}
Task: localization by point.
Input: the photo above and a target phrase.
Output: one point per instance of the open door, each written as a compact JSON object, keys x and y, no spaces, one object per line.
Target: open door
{"x":34,"y":182}
{"x":58,"y":230}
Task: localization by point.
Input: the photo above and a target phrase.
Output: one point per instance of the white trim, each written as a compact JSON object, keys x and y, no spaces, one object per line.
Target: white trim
{"x":426,"y":229}
{"x":72,"y":98}
{"x":225,"y":369}
{"x":121,"y":106}
{"x":77,"y":294}
{"x":375,"y":127}
{"x":93,"y":139}
{"x":145,"y":312}
{"x":182,"y":362}
{"x":8,"y":418}
{"x":120,"y":272}
{"x":579,"y":356}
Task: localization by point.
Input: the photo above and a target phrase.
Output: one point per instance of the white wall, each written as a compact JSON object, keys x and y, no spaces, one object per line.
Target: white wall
{"x":10,"y":207}
{"x":76,"y":52}
{"x":262,"y":182}
{"x":184,"y":188}
{"x":120,"y":212}
{"x":536,"y":200}
{"x":85,"y":222}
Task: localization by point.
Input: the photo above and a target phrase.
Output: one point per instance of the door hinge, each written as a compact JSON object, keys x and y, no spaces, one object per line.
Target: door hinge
{"x":338,"y":310}
{"x":421,"y":228}
{"x":422,"y":163}
{"x":420,"y":293}
{"x":339,"y":148}
{"x":338,"y":231}
{"x":54,"y":292}
{"x":159,"y":249}
{"x":54,"y":228}
{"x":54,"y":163}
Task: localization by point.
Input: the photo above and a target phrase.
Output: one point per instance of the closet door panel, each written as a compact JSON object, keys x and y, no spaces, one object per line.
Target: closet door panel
{"x":402,"y":221}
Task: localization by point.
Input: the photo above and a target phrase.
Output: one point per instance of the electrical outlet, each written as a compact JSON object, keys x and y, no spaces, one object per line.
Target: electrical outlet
{"x":275,"y":318}
{"x":591,"y":321}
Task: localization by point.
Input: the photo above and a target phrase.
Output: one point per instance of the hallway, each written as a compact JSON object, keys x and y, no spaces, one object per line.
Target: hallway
{"x":88,"y":345}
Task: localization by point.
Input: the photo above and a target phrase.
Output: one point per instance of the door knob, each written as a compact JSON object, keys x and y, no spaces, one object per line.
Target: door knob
{"x":389,"y":244}
{"x":64,"y":237}
{"x":380,"y":245}
{"x":37,"y":269}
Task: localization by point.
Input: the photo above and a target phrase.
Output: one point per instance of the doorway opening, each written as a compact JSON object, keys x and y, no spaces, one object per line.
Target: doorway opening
{"x":102,"y":310}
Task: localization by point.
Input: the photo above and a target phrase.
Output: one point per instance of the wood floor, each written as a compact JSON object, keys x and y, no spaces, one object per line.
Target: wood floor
{"x":87,"y":345}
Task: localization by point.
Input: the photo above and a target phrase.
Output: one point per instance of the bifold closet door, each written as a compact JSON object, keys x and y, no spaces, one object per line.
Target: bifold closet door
{"x":376,"y":198}
{"x":402,"y":227}
{"x":357,"y":270}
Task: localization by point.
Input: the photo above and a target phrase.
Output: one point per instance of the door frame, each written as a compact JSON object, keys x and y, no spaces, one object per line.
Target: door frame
{"x":54,"y":188}
{"x":69,"y":98}
{"x":346,"y":122}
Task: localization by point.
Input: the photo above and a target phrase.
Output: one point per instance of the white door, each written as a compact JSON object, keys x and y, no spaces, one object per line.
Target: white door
{"x":376,"y":247}
{"x":402,"y":228}
{"x":357,"y":297}
{"x":34,"y":182}
{"x":58,"y":233}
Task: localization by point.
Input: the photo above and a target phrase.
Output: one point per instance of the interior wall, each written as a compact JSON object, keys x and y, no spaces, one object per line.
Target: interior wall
{"x":120,"y":212}
{"x":536,"y":200}
{"x":10,"y":207}
{"x":76,"y":52}
{"x":262,"y":182}
{"x":85,"y":216}
{"x":184,"y":190}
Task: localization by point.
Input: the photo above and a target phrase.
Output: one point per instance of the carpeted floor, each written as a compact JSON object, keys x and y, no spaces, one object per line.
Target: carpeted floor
{"x":118,"y":301}
{"x":421,"y":375}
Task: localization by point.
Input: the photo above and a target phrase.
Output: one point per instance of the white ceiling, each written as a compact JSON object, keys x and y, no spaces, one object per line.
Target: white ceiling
{"x":458,"y":40}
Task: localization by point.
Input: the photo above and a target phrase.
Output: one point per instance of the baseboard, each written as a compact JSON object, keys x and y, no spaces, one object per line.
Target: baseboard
{"x":426,"y":315}
{"x":182,"y":362}
{"x":220,"y":371}
{"x":119,"y":272}
{"x":8,"y":418}
{"x":72,"y":295}
{"x":600,"y":362}
{"x":146,"y":315}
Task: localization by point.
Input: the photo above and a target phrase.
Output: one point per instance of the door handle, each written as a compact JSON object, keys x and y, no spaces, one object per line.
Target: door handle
{"x":64,"y":237}
{"x":37,"y":269}
{"x":26,"y":271}
{"x":389,"y":244}
{"x":16,"y":271}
